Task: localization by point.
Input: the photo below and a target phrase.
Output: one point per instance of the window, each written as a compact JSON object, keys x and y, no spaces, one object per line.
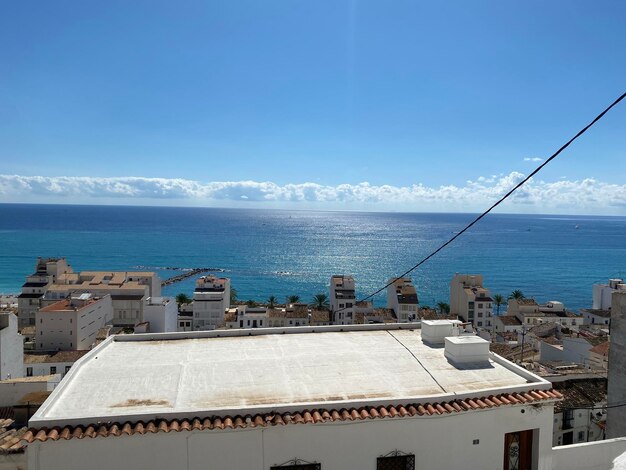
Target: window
{"x":480,"y":305}
{"x":581,"y":436}
{"x":396,"y":461}
{"x":29,"y":372}
{"x":53,"y":370}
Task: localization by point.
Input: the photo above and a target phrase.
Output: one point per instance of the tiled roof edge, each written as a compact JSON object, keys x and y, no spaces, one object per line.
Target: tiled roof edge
{"x":315,"y":416}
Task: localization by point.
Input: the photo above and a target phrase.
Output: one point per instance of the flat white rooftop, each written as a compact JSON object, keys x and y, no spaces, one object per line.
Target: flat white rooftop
{"x":131,"y":377}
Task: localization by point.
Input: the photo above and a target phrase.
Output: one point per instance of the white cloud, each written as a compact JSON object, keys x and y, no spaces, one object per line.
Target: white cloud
{"x":563,"y":196}
{"x":533,"y":159}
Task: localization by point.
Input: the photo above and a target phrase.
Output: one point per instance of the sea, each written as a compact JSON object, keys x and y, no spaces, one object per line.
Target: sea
{"x":282,"y":252}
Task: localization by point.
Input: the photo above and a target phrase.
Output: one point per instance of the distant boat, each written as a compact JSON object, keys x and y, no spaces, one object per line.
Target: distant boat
{"x":577,"y":227}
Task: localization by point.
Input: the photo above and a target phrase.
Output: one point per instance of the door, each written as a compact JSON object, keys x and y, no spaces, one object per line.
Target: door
{"x":518,"y":450}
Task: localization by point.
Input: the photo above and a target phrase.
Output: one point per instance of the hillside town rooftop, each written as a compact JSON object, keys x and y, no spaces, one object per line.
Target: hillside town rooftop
{"x":239,"y":372}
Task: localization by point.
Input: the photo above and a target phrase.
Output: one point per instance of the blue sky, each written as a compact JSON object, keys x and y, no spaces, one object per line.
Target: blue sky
{"x":399,"y":94}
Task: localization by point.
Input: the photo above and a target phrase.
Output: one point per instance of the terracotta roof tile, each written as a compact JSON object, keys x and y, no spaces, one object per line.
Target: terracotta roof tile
{"x":314,"y":416}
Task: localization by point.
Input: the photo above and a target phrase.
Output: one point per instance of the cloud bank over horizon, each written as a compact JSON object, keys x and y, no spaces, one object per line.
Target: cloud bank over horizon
{"x":588,"y":196}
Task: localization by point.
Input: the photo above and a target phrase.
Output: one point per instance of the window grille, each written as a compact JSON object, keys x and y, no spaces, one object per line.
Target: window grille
{"x":396,"y":460}
{"x":297,"y":464}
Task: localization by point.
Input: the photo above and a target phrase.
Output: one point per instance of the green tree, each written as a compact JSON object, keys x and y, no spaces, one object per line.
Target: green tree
{"x":271,"y":302}
{"x":293,"y":299}
{"x":517,"y":295}
{"x":251,"y":303}
{"x":233,"y":295}
{"x":443,"y":308}
{"x":498,"y":300}
{"x":182,"y":299}
{"x":320,"y":302}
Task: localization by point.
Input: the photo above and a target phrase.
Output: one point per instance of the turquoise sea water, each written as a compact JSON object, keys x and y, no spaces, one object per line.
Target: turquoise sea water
{"x":281,"y":253}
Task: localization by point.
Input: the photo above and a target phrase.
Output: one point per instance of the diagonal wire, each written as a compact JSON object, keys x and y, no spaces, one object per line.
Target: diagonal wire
{"x":498,"y":202}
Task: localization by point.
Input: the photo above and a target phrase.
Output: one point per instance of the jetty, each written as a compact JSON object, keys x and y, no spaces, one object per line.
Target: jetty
{"x":188,"y":274}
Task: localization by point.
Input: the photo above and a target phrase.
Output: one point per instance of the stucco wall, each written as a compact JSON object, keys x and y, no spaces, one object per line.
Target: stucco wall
{"x":438,"y":443}
{"x":591,"y":456}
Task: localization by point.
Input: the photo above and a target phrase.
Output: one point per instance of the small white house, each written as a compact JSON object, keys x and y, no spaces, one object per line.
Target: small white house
{"x":279,"y":398}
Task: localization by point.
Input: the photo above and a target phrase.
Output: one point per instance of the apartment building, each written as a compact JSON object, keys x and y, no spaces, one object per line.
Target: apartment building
{"x":128,"y":290}
{"x":402,"y":299}
{"x":376,"y":408}
{"x":47,"y":271}
{"x":211,"y":299}
{"x":342,"y":299}
{"x":471,"y":301}
{"x":72,"y":323}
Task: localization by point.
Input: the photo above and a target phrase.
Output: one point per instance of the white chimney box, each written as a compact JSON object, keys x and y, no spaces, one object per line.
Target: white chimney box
{"x":434,"y":331}
{"x":466,"y":349}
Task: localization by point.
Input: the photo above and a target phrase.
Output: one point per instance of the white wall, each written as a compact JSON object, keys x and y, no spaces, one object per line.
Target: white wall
{"x":437,"y":442}
{"x":44,"y":368}
{"x":11,"y":348}
{"x":12,"y":392}
{"x":576,"y":350}
{"x":590,"y":456}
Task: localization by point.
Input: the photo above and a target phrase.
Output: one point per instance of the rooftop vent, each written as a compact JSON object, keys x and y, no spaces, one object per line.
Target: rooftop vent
{"x":466,"y":349}
{"x":434,"y":331}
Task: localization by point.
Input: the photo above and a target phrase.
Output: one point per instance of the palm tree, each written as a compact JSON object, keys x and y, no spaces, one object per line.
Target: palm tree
{"x":293,"y":299}
{"x":320,"y":302}
{"x":517,"y":295}
{"x":182,"y":299}
{"x":498,"y":300}
{"x":271,"y":302}
{"x":443,"y":308}
{"x":251,"y":303}
{"x":233,"y":295}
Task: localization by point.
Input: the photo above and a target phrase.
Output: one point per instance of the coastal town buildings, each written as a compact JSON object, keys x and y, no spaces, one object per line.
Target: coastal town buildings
{"x":581,"y":415}
{"x":386,"y":410}
{"x":11,"y":347}
{"x":471,"y":301}
{"x":47,"y":271}
{"x":402,"y":299}
{"x":72,"y":323}
{"x":342,"y":299}
{"x":128,"y":290}
{"x":529,"y":313}
{"x":211,"y":300}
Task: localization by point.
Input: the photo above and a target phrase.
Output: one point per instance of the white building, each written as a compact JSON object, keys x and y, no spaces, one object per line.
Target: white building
{"x":602,"y":293}
{"x":72,"y":323}
{"x":11,"y":348}
{"x":211,"y":299}
{"x":342,"y":299}
{"x":402,"y":299}
{"x":47,"y":271}
{"x":596,"y":317}
{"x":375,"y":408}
{"x":50,"y":363}
{"x":471,"y":301}
{"x":161,"y":313}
